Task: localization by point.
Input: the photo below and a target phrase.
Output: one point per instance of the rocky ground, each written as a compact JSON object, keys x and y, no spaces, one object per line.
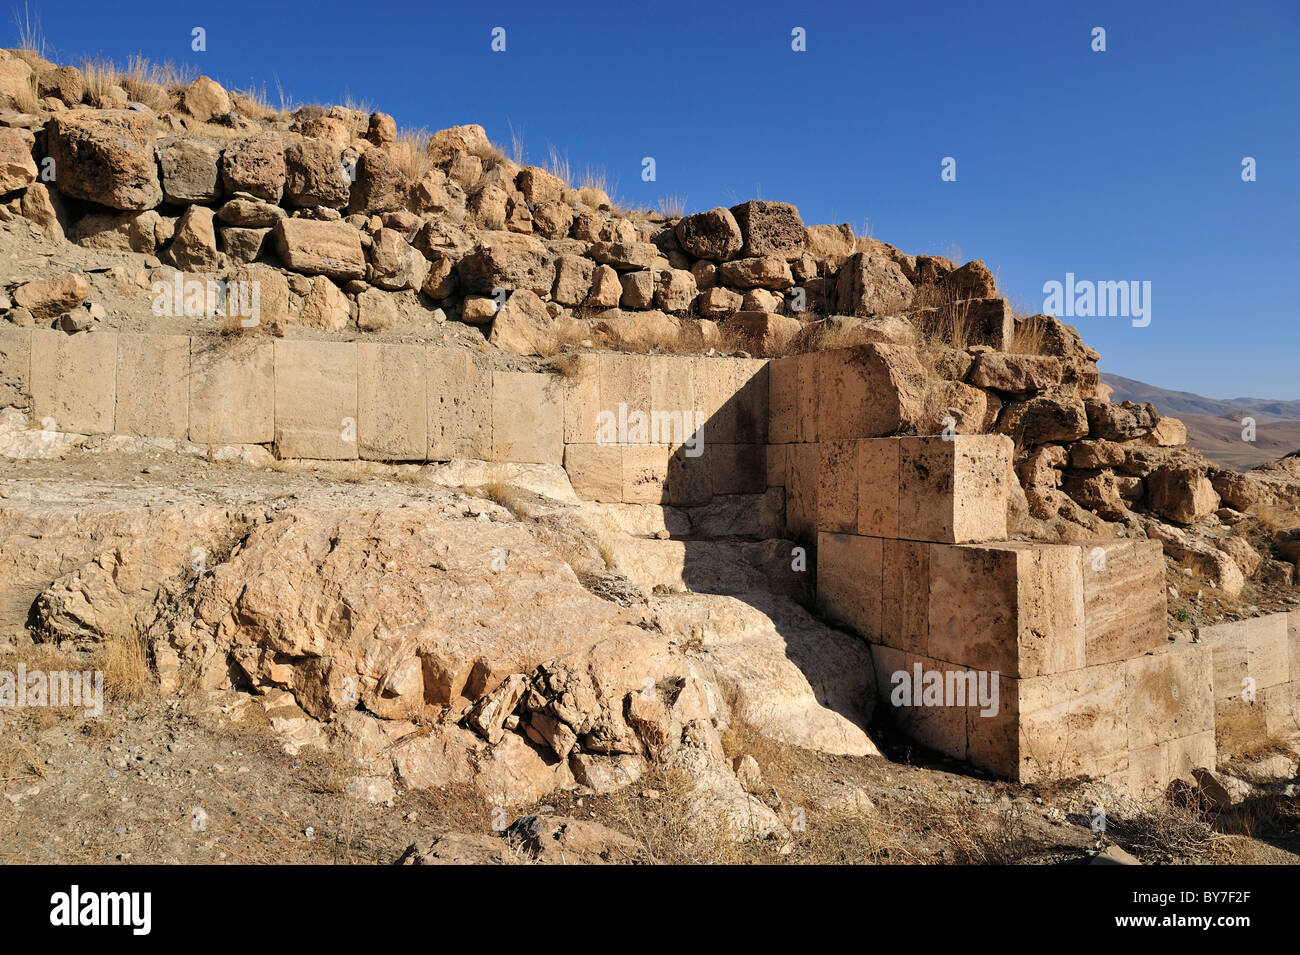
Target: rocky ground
{"x":221,"y":776}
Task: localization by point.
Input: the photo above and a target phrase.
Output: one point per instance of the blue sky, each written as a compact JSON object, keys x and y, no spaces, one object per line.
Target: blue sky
{"x":1116,"y":166}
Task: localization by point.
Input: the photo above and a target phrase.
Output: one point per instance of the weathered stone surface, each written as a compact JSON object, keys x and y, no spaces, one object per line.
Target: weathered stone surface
{"x":64,"y":83}
{"x":205,"y":99}
{"x":527,"y":418}
{"x":320,"y":248}
{"x":17,"y":168}
{"x":15,"y":366}
{"x":710,"y":235}
{"x":74,"y":381}
{"x":951,"y":490}
{"x":392,"y":421}
{"x":459,"y":405}
{"x":232,"y":393}
{"x":762,"y":333}
{"x":1043,"y":419}
{"x":314,"y":175}
{"x":768,"y":271}
{"x":872,"y":285}
{"x":1017,"y":374}
{"x":849,"y":575}
{"x":770,"y":228}
{"x":1182,"y":494}
{"x":256,"y":166}
{"x":153,"y":384}
{"x":1014,"y":607}
{"x":522,"y":325}
{"x":315,"y":399}
{"x":506,"y":261}
{"x":105,"y":156}
{"x":1119,"y":422}
{"x":194,"y":248}
{"x":45,"y":298}
{"x":866,"y":391}
{"x":190,"y":169}
{"x":625,"y":255}
{"x":1124,"y":599}
{"x":375,"y":310}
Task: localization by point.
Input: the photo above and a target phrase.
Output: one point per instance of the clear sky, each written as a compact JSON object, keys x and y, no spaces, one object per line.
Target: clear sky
{"x":1123,"y":165}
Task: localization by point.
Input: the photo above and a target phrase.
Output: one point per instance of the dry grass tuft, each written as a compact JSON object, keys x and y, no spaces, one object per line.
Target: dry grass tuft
{"x":672,"y":207}
{"x":125,"y":665}
{"x":411,"y":153}
{"x":1029,"y":337}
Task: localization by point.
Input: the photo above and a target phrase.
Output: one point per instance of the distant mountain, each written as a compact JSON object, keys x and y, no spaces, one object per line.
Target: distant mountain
{"x":1185,"y":402}
{"x":1214,"y":424}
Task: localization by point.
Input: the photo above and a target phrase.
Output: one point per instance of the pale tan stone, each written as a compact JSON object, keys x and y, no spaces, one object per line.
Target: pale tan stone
{"x":595,"y":471}
{"x":392,"y":421}
{"x":878,"y":489}
{"x":941,"y":728}
{"x":315,"y":399}
{"x":153,"y":385}
{"x":232,"y":390}
{"x":801,"y":486}
{"x":783,"y":398}
{"x":645,"y":473}
{"x":868,"y":391}
{"x":953,"y":490}
{"x":737,"y":468}
{"x":527,"y":418}
{"x":808,"y":375}
{"x":1013,"y":607}
{"x":849,"y":581}
{"x":74,"y":380}
{"x":459,"y":404}
{"x":837,"y":487}
{"x":582,"y":399}
{"x":1171,"y":694}
{"x":905,"y":595}
{"x":1124,"y":599}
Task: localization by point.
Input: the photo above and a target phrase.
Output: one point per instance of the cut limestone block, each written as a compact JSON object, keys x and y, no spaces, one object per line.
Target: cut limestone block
{"x":849,"y":581}
{"x":905,"y":595}
{"x":1013,"y":607}
{"x":1055,"y":726}
{"x":459,"y":404}
{"x":1124,"y":599}
{"x":942,"y":727}
{"x":749,"y":383}
{"x":808,"y":380}
{"x":878,"y":487}
{"x":690,"y":476}
{"x":645,"y":473}
{"x":392,"y":421}
{"x":738,"y":468}
{"x":74,"y":380}
{"x":783,"y":399}
{"x":776,"y":466}
{"x":15,"y":366}
{"x":1170,"y":693}
{"x":953,"y":490}
{"x":1188,"y":753}
{"x":595,"y":471}
{"x":582,"y":399}
{"x":801,"y":512}
{"x":868,"y":390}
{"x":232,"y":390}
{"x":1248,"y":654}
{"x":624,"y":379}
{"x":527,"y":418}
{"x":837,"y":487}
{"x":315,"y":399}
{"x":714,"y":390}
{"x":672,"y":398}
{"x":153,"y":385}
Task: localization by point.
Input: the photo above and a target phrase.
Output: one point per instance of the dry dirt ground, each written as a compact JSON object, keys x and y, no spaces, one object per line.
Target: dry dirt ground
{"x":204,"y":780}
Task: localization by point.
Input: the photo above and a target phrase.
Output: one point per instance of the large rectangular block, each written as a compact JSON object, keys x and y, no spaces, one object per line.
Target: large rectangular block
{"x":953,"y":490}
{"x":783,"y":400}
{"x":527,"y":418}
{"x":1065,"y":724}
{"x":672,"y":399}
{"x":74,"y":380}
{"x":738,"y":468}
{"x":749,"y":383}
{"x":1187,"y":753}
{"x":624,"y":379}
{"x":905,"y":600}
{"x":15,"y":366}
{"x":153,"y":385}
{"x":581,"y":399}
{"x":690,"y":476}
{"x":315,"y":399}
{"x":878,"y":487}
{"x":808,"y":379}
{"x":837,"y":487}
{"x":1123,"y":598}
{"x":1170,"y":693}
{"x":232,"y":389}
{"x":392,"y":420}
{"x":645,"y":473}
{"x":459,"y":405}
{"x":595,"y":471}
{"x":802,"y":463}
{"x":776,"y":466}
{"x":1013,"y":607}
{"x":1248,"y":655}
{"x":849,"y":580}
{"x":942,"y":726}
{"x":714,"y":390}
{"x":867,"y":391}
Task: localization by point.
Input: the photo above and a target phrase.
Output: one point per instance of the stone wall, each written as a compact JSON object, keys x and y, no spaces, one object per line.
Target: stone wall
{"x":1256,"y":671}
